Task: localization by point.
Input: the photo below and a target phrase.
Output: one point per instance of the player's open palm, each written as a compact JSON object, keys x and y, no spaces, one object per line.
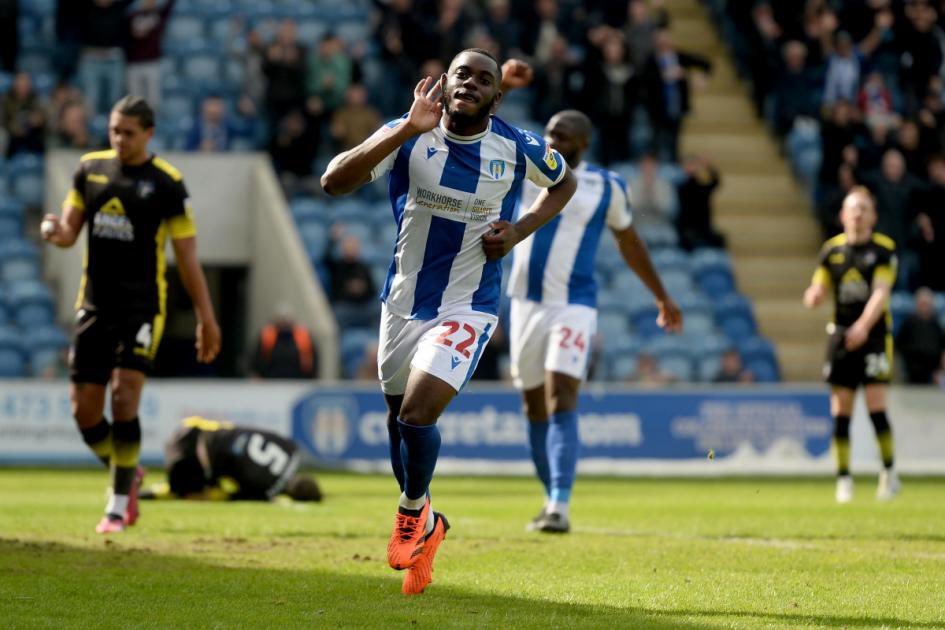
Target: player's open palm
{"x":208,"y":341}
{"x":427,"y":109}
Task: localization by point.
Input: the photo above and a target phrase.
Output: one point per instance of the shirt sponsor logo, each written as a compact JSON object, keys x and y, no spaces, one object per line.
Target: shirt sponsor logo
{"x":549,"y":158}
{"x":112,"y":223}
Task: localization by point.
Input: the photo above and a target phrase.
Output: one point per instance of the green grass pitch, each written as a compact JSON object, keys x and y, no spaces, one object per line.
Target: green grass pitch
{"x":733,"y":553}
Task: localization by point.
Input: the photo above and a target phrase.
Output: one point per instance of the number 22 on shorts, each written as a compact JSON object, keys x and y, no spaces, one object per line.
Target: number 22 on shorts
{"x":452,"y":335}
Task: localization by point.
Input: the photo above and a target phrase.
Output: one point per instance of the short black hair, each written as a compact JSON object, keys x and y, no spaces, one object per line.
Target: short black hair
{"x":303,"y":488}
{"x":578,"y":120}
{"x":138,"y":107}
{"x":485,"y":53}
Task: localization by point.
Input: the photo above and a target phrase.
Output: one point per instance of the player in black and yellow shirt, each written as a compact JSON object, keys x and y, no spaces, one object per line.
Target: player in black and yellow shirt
{"x":859,"y":268}
{"x":131,"y":201}
{"x":216,"y":460}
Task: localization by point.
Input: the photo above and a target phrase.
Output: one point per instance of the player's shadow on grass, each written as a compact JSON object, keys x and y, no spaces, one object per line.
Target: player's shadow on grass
{"x":118,"y":585}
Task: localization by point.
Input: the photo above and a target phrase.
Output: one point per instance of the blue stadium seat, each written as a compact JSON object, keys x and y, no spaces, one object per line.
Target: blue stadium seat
{"x":34,"y":314}
{"x":677,"y":282}
{"x":612,"y":326}
{"x":709,"y":257}
{"x":306,"y":209}
{"x":715,"y":281}
{"x":27,"y":292}
{"x":671,"y":259}
{"x":315,"y":237}
{"x":659,"y":235}
{"x":737,"y":327}
{"x":756,"y":348}
{"x":698,"y":323}
{"x":733,"y":303}
{"x":9,"y":228}
{"x":680,"y":367}
{"x":353,"y":343}
{"x":28,"y":188}
{"x":764,"y":370}
{"x":202,"y":68}
{"x":708,"y":367}
{"x":175,"y":106}
{"x":17,"y":248}
{"x":44,"y":338}
{"x":379,"y":275}
{"x":709,"y":345}
{"x":12,"y":363}
{"x":17,"y":268}
{"x":46,"y":359}
{"x":621,"y":368}
{"x":183,"y":29}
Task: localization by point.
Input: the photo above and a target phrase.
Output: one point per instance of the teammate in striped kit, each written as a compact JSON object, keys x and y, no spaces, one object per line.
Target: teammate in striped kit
{"x":455,"y":176}
{"x":554,"y":315}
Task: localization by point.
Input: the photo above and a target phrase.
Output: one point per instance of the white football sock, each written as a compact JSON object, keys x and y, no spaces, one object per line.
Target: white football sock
{"x":412,"y":504}
{"x":557,"y":507}
{"x":431,"y":521}
{"x":117,"y":504}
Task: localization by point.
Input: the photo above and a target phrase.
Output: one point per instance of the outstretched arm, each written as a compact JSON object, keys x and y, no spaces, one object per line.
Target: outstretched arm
{"x":352,"y":169}
{"x":635,"y":254}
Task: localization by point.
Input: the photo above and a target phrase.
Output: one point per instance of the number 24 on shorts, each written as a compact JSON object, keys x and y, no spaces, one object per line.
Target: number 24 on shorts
{"x":451,"y":334}
{"x":567,"y":342}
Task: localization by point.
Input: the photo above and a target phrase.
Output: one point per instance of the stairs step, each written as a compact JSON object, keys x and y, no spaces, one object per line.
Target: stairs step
{"x":802,"y":360}
{"x":772,"y":277}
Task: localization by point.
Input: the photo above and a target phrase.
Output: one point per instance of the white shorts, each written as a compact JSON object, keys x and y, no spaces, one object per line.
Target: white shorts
{"x":549,"y":338}
{"x":448,"y":347}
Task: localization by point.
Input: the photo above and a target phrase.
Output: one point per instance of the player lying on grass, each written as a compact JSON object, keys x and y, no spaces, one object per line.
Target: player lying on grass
{"x":217,"y":461}
{"x":859,"y":268}
{"x":455,"y":175}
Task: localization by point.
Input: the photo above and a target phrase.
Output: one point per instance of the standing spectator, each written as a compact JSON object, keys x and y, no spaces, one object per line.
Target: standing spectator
{"x":284,"y":349}
{"x":9,"y":34}
{"x":875,"y":102}
{"x":330,"y":72}
{"x":450,"y":28}
{"x":921,"y":44}
{"x":542,"y":30}
{"x":794,"y":92}
{"x":293,"y":149}
{"x":72,"y":128}
{"x":731,"y":369}
{"x":556,"y":82}
{"x":355,"y":121}
{"x":68,"y":45}
{"x":211,"y":132}
{"x":844,"y":64}
{"x":895,"y":190}
{"x":640,"y":30}
{"x":930,"y":224}
{"x":695,"y":205}
{"x":668,"y":91}
{"x":838,"y":134}
{"x":504,"y":28}
{"x":654,"y":199}
{"x":102,"y":64}
{"x":612,"y":90}
{"x":921,"y":340}
{"x":352,"y":291}
{"x":284,"y":68}
{"x":146,"y":24}
{"x":828,"y":210}
{"x":914,"y":150}
{"x":23,"y":117}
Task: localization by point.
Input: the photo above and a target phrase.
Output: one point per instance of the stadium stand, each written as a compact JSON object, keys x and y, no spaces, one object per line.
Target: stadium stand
{"x":226,"y":49}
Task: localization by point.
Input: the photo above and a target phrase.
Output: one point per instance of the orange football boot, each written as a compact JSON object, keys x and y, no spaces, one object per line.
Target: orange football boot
{"x":406,"y":541}
{"x":419,"y":576}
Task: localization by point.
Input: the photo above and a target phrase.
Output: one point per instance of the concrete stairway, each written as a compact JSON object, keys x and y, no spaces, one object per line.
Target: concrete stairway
{"x":765,"y":216}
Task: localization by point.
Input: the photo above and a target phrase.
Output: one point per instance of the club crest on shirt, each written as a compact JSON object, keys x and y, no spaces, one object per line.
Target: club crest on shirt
{"x":145,"y":189}
{"x":497,"y":169}
{"x":549,"y":158}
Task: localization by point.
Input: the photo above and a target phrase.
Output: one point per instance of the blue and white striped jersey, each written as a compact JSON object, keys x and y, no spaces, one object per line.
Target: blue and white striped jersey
{"x":555,"y":265}
{"x":444,"y":191}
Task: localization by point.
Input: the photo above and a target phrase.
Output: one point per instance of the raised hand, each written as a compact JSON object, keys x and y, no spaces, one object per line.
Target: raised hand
{"x":426,"y":111}
{"x":516,"y":74}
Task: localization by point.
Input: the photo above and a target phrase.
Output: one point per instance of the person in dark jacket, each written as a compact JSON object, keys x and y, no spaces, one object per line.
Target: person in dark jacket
{"x":146,"y":24}
{"x":921,"y":340}
{"x":285,"y":349}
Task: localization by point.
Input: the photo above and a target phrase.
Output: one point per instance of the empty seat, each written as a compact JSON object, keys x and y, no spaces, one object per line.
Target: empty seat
{"x":698,"y":323}
{"x":671,"y":259}
{"x":12,"y":363}
{"x":612,"y":326}
{"x":34,"y":314}
{"x":707,"y":368}
{"x":764,"y":370}
{"x":680,"y":367}
{"x":715,"y":281}
{"x":756,"y":348}
{"x":183,"y":29}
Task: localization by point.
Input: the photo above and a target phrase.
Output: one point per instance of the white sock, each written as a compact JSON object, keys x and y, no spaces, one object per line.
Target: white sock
{"x":431,"y":521}
{"x":117,"y":504}
{"x":412,"y":504}
{"x":557,"y":507}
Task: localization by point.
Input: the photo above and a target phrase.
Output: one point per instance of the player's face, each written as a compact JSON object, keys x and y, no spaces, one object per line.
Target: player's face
{"x":471,"y":88}
{"x":565,"y":139}
{"x":858,"y":214}
{"x":128,"y":138}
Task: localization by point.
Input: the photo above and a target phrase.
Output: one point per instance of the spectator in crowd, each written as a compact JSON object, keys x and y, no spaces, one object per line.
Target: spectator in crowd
{"x":654,"y":200}
{"x":930,"y":224}
{"x":694,"y":221}
{"x":9,"y":34}
{"x":542,"y":29}
{"x":921,"y":50}
{"x":914,"y":151}
{"x":211,"y":132}
{"x":642,"y":24}
{"x":102,"y":33}
{"x":504,"y":28}
{"x":404,"y":47}
{"x":845,"y":63}
{"x":611,"y":94}
{"x":667,"y":85}
{"x":285,"y":349}
{"x":68,"y":45}
{"x":449,"y":27}
{"x":352,"y":123}
{"x":23,"y":117}
{"x":795,"y":91}
{"x":293,"y":149}
{"x":556,"y":83}
{"x":731,"y":369}
{"x":352,"y":291}
{"x":146,"y":23}
{"x":72,"y":129}
{"x":330,"y":71}
{"x":920,"y":339}
{"x":649,"y":373}
{"x":895,"y":190}
{"x":838,"y":134}
{"x":876,"y":104}
{"x":285,"y":71}
{"x":828,"y":211}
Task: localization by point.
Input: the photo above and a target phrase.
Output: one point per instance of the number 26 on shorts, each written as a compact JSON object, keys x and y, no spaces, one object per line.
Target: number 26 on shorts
{"x":459,"y":340}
